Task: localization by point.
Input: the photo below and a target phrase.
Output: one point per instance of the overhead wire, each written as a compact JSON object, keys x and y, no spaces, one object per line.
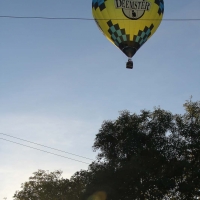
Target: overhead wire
{"x":43,"y":151}
{"x":45,"y":146}
{"x":88,"y":19}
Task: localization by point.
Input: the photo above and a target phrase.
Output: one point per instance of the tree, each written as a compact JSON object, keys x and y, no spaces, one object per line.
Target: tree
{"x":151,"y":155}
{"x":44,"y":185}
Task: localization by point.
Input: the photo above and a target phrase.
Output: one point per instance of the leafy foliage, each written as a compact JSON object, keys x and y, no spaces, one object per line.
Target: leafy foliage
{"x":50,"y":186}
{"x":153,"y":155}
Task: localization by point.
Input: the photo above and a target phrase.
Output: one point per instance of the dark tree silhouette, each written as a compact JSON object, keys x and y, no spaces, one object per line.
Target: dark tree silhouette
{"x":151,"y":155}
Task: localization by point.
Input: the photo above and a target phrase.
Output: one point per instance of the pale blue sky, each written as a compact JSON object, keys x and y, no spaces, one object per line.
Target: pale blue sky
{"x":59,"y":79}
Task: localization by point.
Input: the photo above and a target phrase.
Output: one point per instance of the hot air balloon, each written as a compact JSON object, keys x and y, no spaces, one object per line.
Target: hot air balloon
{"x":128,"y":24}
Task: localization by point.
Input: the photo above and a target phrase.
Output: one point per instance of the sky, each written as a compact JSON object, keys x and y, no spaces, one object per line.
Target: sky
{"x":60,"y":79}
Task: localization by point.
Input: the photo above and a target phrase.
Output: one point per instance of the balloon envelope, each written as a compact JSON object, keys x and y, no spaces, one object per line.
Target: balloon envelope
{"x":128,"y":24}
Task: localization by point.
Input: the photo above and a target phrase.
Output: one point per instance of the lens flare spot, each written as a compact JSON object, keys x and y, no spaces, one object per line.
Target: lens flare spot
{"x":98,"y":196}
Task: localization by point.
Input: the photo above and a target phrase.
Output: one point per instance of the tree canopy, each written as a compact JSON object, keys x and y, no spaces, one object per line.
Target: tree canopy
{"x":150,"y":155}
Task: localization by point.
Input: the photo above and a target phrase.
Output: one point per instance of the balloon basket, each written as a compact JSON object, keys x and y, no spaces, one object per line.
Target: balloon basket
{"x":129,"y":64}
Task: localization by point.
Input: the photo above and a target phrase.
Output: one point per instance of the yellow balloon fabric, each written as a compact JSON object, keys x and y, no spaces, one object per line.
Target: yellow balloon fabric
{"x":128,"y":24}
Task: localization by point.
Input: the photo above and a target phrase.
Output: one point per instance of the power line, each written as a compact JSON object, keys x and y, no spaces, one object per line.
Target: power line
{"x":50,"y":18}
{"x":45,"y":146}
{"x":88,"y":19}
{"x":43,"y":151}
